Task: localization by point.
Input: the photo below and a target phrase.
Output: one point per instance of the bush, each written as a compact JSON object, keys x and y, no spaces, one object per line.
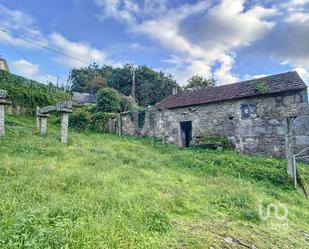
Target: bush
{"x":99,"y":121}
{"x":80,"y":119}
{"x":108,"y":100}
{"x":126,"y":103}
{"x":207,"y":140}
{"x":29,"y":93}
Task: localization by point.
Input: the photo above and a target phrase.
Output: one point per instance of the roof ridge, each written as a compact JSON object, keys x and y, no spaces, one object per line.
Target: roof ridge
{"x":276,"y":83}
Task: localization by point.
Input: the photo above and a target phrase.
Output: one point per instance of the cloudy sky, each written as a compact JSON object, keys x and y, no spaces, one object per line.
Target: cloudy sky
{"x":229,"y":40}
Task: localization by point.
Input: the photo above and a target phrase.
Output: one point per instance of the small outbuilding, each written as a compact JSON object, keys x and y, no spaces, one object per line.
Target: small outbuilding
{"x":250,"y":114}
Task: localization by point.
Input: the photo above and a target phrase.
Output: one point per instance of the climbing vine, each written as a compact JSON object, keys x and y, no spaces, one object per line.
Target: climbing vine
{"x":29,"y":93}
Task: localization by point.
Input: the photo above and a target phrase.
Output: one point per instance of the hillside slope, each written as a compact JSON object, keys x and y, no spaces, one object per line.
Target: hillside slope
{"x":104,"y":191}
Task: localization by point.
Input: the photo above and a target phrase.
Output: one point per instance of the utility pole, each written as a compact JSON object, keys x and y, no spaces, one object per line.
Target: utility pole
{"x":57,"y":81}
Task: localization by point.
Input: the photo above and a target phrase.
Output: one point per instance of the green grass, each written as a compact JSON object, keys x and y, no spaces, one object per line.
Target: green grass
{"x":104,"y":191}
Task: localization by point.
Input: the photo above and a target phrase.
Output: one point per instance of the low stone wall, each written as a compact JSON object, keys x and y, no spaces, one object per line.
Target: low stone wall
{"x":264,"y":133}
{"x":18,"y":110}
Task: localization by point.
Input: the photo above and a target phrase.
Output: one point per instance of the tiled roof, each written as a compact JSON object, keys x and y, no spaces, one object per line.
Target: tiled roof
{"x":267,"y":85}
{"x":83,"y":98}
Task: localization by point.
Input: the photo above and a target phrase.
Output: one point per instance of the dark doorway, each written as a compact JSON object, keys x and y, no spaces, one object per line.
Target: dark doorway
{"x":186,"y":133}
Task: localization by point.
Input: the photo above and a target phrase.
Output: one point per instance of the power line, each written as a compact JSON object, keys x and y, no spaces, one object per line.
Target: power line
{"x":21,"y":54}
{"x":43,"y":46}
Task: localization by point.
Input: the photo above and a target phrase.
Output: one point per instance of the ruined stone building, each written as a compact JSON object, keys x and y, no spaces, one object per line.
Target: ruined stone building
{"x":251,"y":114}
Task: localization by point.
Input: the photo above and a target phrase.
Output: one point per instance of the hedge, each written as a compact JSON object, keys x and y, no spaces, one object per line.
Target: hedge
{"x":29,"y":93}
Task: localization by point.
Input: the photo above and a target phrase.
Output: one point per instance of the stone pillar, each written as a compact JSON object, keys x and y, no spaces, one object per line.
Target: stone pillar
{"x":118,"y":124}
{"x":43,"y":125}
{"x":38,"y":124}
{"x":3,"y":102}
{"x":64,"y":128}
{"x":2,"y":132}
{"x":289,"y":145}
{"x":37,"y":119}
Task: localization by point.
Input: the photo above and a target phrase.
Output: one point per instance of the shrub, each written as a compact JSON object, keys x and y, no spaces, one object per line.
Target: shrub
{"x":80,"y":119}
{"x":126,"y":103}
{"x":108,"y":100}
{"x":99,"y":121}
{"x":208,"y":139}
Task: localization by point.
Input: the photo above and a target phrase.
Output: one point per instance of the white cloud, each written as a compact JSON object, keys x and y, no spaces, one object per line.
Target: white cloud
{"x":32,"y":71}
{"x":297,"y":2}
{"x":74,"y":53}
{"x":21,"y":23}
{"x":198,"y":34}
{"x":303,"y":73}
{"x":82,"y":51}
{"x":252,"y":77}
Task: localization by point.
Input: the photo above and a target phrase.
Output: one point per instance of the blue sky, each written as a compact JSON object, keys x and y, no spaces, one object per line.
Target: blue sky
{"x":229,"y":40}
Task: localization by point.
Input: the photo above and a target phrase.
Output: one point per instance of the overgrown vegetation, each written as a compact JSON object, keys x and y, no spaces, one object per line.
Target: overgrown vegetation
{"x":196,"y":83}
{"x":213,"y":141}
{"x":262,"y":87}
{"x":28,"y":93}
{"x":108,"y":100}
{"x":104,"y":191}
{"x":151,"y":85}
{"x":87,"y":118}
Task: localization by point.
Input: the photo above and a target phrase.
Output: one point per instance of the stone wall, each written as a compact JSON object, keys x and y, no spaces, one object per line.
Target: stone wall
{"x":262,"y":131}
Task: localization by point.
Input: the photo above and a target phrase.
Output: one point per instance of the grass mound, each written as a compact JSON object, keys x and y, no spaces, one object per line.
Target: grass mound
{"x":104,"y":191}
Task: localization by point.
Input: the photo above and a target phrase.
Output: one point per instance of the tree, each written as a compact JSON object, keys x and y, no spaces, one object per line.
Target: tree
{"x":89,"y":79}
{"x":197,"y":82}
{"x":108,"y":100}
{"x":151,"y":86}
{"x":126,"y":103}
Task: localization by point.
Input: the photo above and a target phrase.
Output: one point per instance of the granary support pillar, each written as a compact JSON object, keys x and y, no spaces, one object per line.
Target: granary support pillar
{"x":118,"y":118}
{"x":289,"y":144}
{"x":41,"y":123}
{"x":2,"y":132}
{"x":64,"y":127}
{"x":3,"y":102}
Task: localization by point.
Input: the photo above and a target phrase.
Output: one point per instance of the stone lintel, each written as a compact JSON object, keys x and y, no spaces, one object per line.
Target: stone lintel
{"x":5,"y":102}
{"x":43,"y":115}
{"x":67,"y":105}
{"x":65,"y":110}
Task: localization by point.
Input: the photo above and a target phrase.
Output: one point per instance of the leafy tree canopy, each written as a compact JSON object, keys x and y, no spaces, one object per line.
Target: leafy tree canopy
{"x":151,"y":86}
{"x":197,"y":82}
{"x":108,"y":100}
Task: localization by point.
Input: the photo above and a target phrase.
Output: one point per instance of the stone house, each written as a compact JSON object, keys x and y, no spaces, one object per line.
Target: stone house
{"x":251,"y":114}
{"x":84,"y":98}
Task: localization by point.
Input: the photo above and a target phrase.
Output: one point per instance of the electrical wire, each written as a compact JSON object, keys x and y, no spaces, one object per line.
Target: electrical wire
{"x":43,"y":46}
{"x":22,"y":55}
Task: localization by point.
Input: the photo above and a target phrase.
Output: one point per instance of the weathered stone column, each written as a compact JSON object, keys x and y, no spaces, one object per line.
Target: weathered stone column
{"x":64,"y":128}
{"x":3,"y":102}
{"x":2,"y":132}
{"x":38,"y":121}
{"x":118,"y":118}
{"x":289,"y":145}
{"x":43,"y":125}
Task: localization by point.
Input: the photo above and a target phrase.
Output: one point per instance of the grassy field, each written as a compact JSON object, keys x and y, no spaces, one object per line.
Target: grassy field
{"x":104,"y":191}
